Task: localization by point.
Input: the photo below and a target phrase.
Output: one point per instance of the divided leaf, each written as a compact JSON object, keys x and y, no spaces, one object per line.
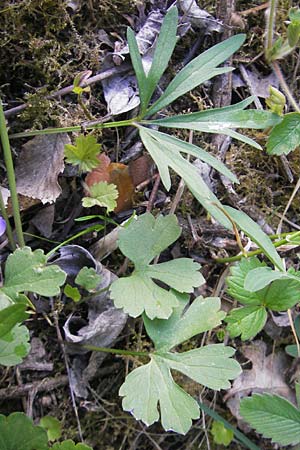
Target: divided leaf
{"x":83,"y":153}
{"x":26,"y":270}
{"x":102,"y":194}
{"x":224,"y":120}
{"x":285,"y":136}
{"x":141,"y":241}
{"x":247,"y":322}
{"x":272,"y":416}
{"x":200,"y":69}
{"x":10,"y":316}
{"x":166,"y":152}
{"x":153,"y":383}
{"x":14,"y":346}
{"x":17,"y":432}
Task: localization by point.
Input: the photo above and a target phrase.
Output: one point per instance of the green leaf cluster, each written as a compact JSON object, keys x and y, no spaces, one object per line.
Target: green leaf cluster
{"x":258,"y":288}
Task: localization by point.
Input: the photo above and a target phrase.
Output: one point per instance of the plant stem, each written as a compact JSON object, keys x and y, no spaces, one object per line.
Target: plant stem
{"x":249,"y":254}
{"x":271,"y":25}
{"x":284,"y":86}
{"x":11,"y":177}
{"x":8,"y":227}
{"x":121,"y":123}
{"x":115,"y":351}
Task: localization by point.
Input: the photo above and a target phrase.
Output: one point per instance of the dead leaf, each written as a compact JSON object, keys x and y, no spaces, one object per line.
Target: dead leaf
{"x":103,"y":324}
{"x":43,"y":220}
{"x":266,"y":375}
{"x":38,"y":166}
{"x":198,"y":17}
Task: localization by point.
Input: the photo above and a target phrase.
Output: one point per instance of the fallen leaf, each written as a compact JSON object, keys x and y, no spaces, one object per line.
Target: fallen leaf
{"x":38,"y":166}
{"x":114,"y":173}
{"x":266,"y":375}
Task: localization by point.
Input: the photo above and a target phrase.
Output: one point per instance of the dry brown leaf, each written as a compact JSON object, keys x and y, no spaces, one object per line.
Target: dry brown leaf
{"x":267,"y":375}
{"x":38,"y":166}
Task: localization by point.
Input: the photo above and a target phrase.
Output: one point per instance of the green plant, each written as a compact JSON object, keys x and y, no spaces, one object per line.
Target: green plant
{"x":168,"y":318}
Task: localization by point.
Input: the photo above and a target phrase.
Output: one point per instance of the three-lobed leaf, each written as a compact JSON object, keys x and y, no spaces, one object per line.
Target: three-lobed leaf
{"x":153,"y":384}
{"x":272,"y":416}
{"x":84,"y":153}
{"x":145,"y":238}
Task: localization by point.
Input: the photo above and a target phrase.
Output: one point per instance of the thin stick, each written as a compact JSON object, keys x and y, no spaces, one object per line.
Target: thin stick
{"x":271,"y":24}
{"x":284,"y":86}
{"x":294,"y":331}
{"x":11,"y":177}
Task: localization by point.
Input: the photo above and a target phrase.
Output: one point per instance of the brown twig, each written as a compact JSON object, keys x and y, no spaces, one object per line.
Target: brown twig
{"x":47,"y":384}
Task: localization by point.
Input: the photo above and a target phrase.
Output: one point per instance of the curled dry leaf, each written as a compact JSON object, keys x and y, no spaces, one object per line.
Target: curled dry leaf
{"x":38,"y":166}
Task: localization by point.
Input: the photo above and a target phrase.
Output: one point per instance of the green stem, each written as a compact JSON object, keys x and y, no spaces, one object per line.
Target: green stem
{"x":115,"y":351}
{"x":81,"y":233}
{"x":11,"y":177}
{"x":8,"y":227}
{"x":121,"y":123}
{"x":284,"y":86}
{"x":240,"y":436}
{"x":270,"y":25}
{"x":249,"y":254}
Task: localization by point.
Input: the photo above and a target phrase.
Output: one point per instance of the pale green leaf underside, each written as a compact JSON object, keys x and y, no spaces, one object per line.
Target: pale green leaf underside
{"x":26,"y":270}
{"x":200,"y":69}
{"x":272,"y":416}
{"x":17,"y":432}
{"x":247,"y":321}
{"x":285,"y":136}
{"x":138,"y":293}
{"x":202,"y":315}
{"x":166,"y":156}
{"x":246,"y":224}
{"x":151,"y":384}
{"x":147,"y":236}
{"x":14,"y":346}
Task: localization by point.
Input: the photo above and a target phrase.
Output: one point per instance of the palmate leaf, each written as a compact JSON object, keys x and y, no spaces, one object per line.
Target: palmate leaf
{"x":10,"y":316}
{"x":83,"y":153}
{"x":141,"y":241}
{"x":26,"y":270}
{"x":14,"y":346}
{"x":102,"y":194}
{"x":259,"y":278}
{"x":223,"y":120}
{"x":285,"y":136}
{"x":200,"y":69}
{"x":278,"y":296}
{"x":151,"y":384}
{"x":272,"y":416}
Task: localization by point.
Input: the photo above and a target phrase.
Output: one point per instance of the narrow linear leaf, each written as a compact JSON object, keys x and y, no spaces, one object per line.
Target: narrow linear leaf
{"x":285,"y":136}
{"x":200,"y":69}
{"x":246,"y":224}
{"x":138,"y":68}
{"x":272,"y":416}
